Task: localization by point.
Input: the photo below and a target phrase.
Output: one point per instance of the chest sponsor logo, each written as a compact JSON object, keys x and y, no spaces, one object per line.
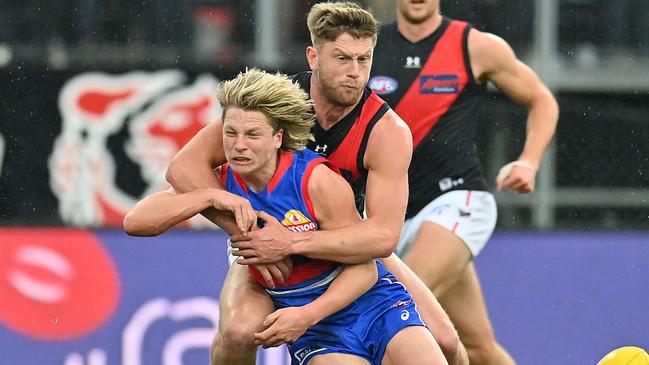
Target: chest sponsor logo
{"x":383,"y":85}
{"x":439,"y":84}
{"x":295,"y":221}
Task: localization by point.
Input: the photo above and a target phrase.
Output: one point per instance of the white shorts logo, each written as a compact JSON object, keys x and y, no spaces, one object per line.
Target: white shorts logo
{"x":405,"y":315}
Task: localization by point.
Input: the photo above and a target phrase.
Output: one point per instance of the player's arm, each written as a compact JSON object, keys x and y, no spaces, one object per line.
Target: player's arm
{"x":158,"y":212}
{"x":192,"y":167}
{"x":387,"y":157}
{"x":492,"y":59}
{"x":333,"y":203}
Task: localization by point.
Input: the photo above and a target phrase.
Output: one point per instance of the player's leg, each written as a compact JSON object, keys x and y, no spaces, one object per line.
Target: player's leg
{"x":338,"y":359}
{"x":413,"y":345}
{"x":436,"y":319}
{"x":243,"y":307}
{"x":438,"y":257}
{"x":466,"y":307}
{"x":451,"y":230}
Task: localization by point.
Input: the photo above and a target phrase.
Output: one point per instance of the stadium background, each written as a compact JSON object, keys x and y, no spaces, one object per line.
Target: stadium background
{"x":97,"y":96}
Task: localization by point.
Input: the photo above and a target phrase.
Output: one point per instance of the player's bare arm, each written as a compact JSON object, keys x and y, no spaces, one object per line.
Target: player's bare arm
{"x":161,"y":211}
{"x":333,"y":203}
{"x":192,"y":167}
{"x":492,"y":59}
{"x":387,"y":158}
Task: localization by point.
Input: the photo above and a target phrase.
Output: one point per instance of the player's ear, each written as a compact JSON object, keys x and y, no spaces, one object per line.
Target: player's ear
{"x":278,"y":138}
{"x":312,"y":57}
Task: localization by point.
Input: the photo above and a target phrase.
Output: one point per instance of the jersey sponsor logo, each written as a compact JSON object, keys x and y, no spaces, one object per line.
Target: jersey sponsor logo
{"x":383,"y":85}
{"x":439,"y":84}
{"x":295,"y":221}
{"x":413,"y":62}
{"x":448,"y":183}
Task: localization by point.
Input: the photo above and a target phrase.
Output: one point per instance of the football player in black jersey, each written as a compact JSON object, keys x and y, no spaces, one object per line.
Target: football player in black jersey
{"x":432,"y":71}
{"x":376,"y":147}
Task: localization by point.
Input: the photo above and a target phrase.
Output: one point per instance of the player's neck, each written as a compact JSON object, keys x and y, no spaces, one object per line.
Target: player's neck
{"x":327,"y":113}
{"x":416,"y":32}
{"x":258,"y":180}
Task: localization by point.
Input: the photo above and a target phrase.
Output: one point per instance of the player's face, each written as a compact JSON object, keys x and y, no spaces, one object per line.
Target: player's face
{"x":343,"y":68}
{"x":250,"y":145}
{"x":417,"y":11}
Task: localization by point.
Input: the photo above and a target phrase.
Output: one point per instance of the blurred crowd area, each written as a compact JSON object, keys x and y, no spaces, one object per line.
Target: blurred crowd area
{"x":596,"y":174}
{"x":88,"y":33}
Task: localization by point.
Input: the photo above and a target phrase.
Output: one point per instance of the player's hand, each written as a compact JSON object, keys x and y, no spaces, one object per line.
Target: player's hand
{"x":277,"y":272}
{"x":517,"y":176}
{"x":284,"y":326}
{"x":245,"y":216}
{"x":267,"y":245}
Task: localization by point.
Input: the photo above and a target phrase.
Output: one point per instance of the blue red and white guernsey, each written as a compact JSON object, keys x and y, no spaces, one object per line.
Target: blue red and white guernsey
{"x":430,"y":85}
{"x":365,"y":327}
{"x":344,"y":144}
{"x":286,"y":198}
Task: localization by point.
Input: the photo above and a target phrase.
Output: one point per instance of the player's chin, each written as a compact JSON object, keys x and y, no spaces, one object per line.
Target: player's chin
{"x":349,"y":98}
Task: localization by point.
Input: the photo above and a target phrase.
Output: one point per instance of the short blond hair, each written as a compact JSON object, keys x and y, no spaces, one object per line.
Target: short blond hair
{"x":328,"y":20}
{"x":282,"y":101}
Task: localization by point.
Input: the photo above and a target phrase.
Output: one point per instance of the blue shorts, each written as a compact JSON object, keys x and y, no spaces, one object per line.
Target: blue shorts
{"x":363,"y":328}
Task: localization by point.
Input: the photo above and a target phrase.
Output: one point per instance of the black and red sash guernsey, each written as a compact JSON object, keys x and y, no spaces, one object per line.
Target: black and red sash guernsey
{"x":431,"y":86}
{"x":345,"y":142}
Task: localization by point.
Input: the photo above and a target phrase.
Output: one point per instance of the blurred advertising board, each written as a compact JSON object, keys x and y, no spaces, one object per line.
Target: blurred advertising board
{"x":80,"y":297}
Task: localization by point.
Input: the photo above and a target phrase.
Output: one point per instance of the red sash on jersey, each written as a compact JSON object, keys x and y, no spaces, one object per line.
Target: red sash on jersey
{"x":346,"y":155}
{"x":438,"y":85}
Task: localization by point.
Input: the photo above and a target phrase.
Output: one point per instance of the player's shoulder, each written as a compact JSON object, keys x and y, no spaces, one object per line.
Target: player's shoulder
{"x":485,"y":43}
{"x":488,"y":52}
{"x":390,"y":133}
{"x":324,"y":177}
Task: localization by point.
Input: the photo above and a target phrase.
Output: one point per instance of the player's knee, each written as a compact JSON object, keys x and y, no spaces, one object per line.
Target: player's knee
{"x":232,"y":346}
{"x":449,"y":342}
{"x":239,"y":335}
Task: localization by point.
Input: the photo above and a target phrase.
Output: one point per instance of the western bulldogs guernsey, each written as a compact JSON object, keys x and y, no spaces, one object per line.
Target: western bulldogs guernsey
{"x":431,"y":86}
{"x":344,"y":144}
{"x":363,"y":328}
{"x":286,"y":198}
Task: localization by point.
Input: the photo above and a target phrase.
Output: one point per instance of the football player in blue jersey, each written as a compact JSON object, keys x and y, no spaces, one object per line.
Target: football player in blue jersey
{"x":327,"y":312}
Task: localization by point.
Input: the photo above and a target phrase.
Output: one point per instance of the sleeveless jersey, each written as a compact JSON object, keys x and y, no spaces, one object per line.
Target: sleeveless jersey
{"x":344,"y":144}
{"x":286,"y":198}
{"x":431,"y":86}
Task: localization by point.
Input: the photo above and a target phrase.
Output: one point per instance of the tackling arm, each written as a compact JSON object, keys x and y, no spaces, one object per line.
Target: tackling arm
{"x":333,"y":203}
{"x":387,"y":158}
